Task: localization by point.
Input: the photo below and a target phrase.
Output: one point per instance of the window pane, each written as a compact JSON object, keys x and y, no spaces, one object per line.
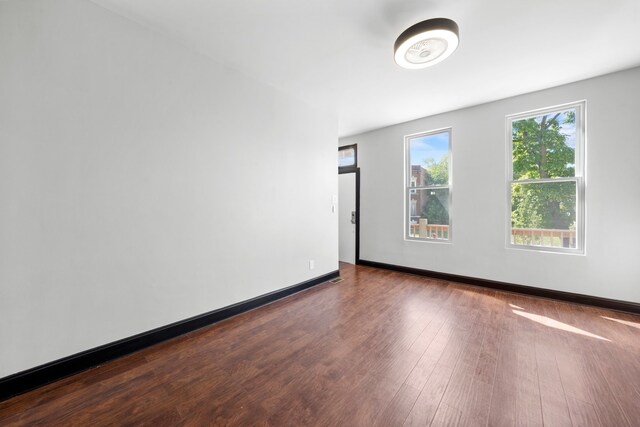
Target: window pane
{"x":429,"y":159}
{"x":544,"y":214}
{"x":544,"y":146}
{"x":429,"y":213}
{"x":346,"y":157}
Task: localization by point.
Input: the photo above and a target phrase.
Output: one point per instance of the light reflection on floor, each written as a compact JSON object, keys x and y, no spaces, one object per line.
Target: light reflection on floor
{"x":543,"y":320}
{"x":624,"y":322}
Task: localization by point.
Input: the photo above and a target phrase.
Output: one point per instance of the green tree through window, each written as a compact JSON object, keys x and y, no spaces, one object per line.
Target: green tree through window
{"x":540,"y":151}
{"x":435,"y":207}
{"x":544,"y":184}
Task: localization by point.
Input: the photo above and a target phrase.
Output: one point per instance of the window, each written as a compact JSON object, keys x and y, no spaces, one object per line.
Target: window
{"x":546,"y":179}
{"x":428,"y":186}
{"x":347,"y":157}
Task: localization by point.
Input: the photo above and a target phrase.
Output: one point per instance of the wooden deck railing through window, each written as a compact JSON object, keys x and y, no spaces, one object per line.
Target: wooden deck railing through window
{"x":553,"y":238}
{"x":433,"y":231}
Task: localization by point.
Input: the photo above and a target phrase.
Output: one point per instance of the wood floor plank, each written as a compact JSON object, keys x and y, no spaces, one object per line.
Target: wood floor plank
{"x":477,"y":411}
{"x":429,"y":359}
{"x":555,"y":410}
{"x":460,"y":393}
{"x":528,"y":402}
{"x":380,"y":348}
{"x":582,"y":413}
{"x":399,"y":408}
{"x":599,"y":392}
{"x":447,"y":416}
{"x":481,"y":373}
{"x":426,"y":406}
{"x":502,"y":411}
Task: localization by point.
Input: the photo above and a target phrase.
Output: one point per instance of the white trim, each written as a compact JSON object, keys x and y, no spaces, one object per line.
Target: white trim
{"x":407,"y":188}
{"x":540,"y":111}
{"x":579,"y":178}
{"x":544,"y":180}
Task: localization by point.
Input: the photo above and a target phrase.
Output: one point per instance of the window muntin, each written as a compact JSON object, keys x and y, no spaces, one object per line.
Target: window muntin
{"x":428,"y":186}
{"x":546,"y":179}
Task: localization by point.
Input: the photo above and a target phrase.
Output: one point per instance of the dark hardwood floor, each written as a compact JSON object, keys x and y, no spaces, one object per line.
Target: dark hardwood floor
{"x":379,"y":348}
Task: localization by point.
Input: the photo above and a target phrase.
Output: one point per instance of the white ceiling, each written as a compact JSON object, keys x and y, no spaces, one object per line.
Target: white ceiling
{"x":338,"y":54}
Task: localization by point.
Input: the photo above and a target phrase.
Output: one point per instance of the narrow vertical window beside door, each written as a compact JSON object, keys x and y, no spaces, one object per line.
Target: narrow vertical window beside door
{"x":428,"y":186}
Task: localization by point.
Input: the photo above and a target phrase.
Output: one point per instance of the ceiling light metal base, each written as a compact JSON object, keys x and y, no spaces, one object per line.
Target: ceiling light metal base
{"x":426,"y":43}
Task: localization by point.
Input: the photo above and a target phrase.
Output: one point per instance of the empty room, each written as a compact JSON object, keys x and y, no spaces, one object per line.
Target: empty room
{"x":319,"y":213}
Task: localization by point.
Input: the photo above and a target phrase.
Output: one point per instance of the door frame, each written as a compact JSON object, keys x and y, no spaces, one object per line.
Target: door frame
{"x":356,"y":170}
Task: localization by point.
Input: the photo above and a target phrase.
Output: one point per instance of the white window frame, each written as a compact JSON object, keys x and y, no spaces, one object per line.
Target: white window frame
{"x":408,"y":188}
{"x":579,"y":177}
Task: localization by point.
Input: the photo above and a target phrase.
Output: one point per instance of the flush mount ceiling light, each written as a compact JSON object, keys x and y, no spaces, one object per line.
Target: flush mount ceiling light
{"x":426,"y":43}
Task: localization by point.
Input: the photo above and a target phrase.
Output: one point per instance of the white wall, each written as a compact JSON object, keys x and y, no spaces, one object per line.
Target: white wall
{"x":611,"y":266}
{"x":142,"y":184}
